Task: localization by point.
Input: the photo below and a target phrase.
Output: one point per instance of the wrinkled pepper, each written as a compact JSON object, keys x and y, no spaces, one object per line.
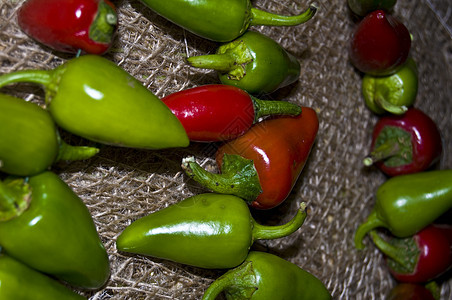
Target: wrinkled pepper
{"x":219,"y":112}
{"x":207,"y":230}
{"x":70,"y":25}
{"x":406,"y":204}
{"x":363,"y":7}
{"x":35,"y":144}
{"x":264,"y":276}
{"x":405,"y":144}
{"x":92,"y":97}
{"x":221,"y":21}
{"x":20,"y":282}
{"x":252,"y":62}
{"x":411,"y":291}
{"x":262,"y":165}
{"x":420,"y":258}
{"x":394,"y":93}
{"x":46,"y":226}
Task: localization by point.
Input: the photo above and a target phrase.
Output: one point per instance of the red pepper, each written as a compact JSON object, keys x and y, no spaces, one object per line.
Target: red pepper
{"x":410,"y":291}
{"x":262,"y":165}
{"x":420,"y":258}
{"x":380,"y":44}
{"x":70,"y":25}
{"x":221,"y":112}
{"x":403,"y":144}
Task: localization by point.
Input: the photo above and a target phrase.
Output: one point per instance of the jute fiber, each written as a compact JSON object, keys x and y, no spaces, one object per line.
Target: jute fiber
{"x":120,"y":185}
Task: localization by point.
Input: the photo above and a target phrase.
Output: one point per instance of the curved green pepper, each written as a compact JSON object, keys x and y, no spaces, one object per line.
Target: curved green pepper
{"x":45,"y":225}
{"x":406,"y":204}
{"x":20,"y":282}
{"x":264,"y":276}
{"x":221,"y":21}
{"x":35,"y":144}
{"x":252,"y":62}
{"x":363,"y":7}
{"x":393,"y":93}
{"x":92,"y":97}
{"x":206,"y":230}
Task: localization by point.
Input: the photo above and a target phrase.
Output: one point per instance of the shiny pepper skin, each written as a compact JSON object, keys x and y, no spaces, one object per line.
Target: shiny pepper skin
{"x":70,"y":25}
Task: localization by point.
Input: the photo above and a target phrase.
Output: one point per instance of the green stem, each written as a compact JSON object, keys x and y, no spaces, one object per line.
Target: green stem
{"x":371,"y":223}
{"x":264,"y":108}
{"x":389,"y":148}
{"x":259,"y":17}
{"x":381,"y":101}
{"x":69,"y":152}
{"x":263,"y":232}
{"x":42,"y":77}
{"x":15,"y":197}
{"x":103,"y":26}
{"x":395,"y":253}
{"x":219,"y":62}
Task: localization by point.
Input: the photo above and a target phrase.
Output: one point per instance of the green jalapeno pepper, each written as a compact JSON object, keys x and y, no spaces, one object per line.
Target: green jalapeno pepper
{"x":92,"y":97}
{"x":45,"y":225}
{"x":35,"y":144}
{"x":264,"y":276}
{"x":207,"y":230}
{"x":221,"y":21}
{"x":393,"y":93}
{"x":18,"y":281}
{"x":252,"y":62}
{"x":405,"y":204}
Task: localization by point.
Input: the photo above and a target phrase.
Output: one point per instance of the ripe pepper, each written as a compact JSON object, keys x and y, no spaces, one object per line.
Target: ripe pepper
{"x":363,"y":7}
{"x":219,"y":112}
{"x":18,"y":281}
{"x":264,"y":276}
{"x":393,"y":93}
{"x":70,"y":25}
{"x":252,"y":62}
{"x":380,"y":44}
{"x":221,"y":21}
{"x":46,"y":226}
{"x":92,"y":97}
{"x":405,"y":144}
{"x":32,"y":126}
{"x":420,"y":258}
{"x":207,"y":230}
{"x":406,"y":204}
{"x":411,"y":291}
{"x":262,"y":165}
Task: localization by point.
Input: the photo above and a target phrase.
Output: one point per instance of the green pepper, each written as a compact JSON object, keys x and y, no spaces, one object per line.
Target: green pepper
{"x":363,"y":7}
{"x":92,"y":97}
{"x":20,"y":282}
{"x":219,"y":20}
{"x":252,"y":62}
{"x":35,"y":144}
{"x":405,"y":204}
{"x":207,"y":230}
{"x":264,"y":276}
{"x":45,"y":225}
{"x":393,"y":93}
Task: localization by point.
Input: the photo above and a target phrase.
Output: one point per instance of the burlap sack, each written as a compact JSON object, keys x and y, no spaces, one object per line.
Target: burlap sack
{"x":120,"y":185}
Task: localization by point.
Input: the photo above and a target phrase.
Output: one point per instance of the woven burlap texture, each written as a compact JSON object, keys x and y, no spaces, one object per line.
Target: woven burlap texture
{"x":120,"y":185}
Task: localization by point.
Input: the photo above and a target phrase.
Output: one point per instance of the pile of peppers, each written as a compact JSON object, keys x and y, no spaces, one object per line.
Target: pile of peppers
{"x":406,"y":144}
{"x":85,"y":95}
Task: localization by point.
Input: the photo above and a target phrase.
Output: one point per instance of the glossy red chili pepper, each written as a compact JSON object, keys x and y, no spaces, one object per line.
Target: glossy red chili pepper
{"x":420,"y":258}
{"x":219,"y":112}
{"x":70,"y":25}
{"x":262,"y":165}
{"x":403,"y":144}
{"x":380,"y":44}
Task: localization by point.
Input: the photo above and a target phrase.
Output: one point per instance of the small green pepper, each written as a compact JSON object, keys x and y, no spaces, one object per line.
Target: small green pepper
{"x":264,"y":276}
{"x":405,"y":204}
{"x":20,"y":282}
{"x":221,"y":21}
{"x":207,"y":230}
{"x":393,"y":93}
{"x":45,"y":225}
{"x":92,"y":97}
{"x":35,"y":144}
{"x":252,"y":62}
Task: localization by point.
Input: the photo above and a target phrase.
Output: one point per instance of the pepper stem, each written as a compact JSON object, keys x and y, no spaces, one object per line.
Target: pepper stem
{"x":42,"y":77}
{"x":389,"y":148}
{"x":381,"y":94}
{"x":259,"y":17}
{"x":15,"y":197}
{"x":104,"y":24}
{"x":69,"y":152}
{"x":238,"y":177}
{"x":220,"y":62}
{"x":371,"y":223}
{"x":263,"y":232}
{"x":264,"y":108}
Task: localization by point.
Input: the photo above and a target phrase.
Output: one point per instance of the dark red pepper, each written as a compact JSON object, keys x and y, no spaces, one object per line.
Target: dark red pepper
{"x":410,"y":291}
{"x":380,"y":44}
{"x":404,"y":144}
{"x":420,"y":258}
{"x":219,"y":112}
{"x":70,"y":25}
{"x":262,"y":165}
